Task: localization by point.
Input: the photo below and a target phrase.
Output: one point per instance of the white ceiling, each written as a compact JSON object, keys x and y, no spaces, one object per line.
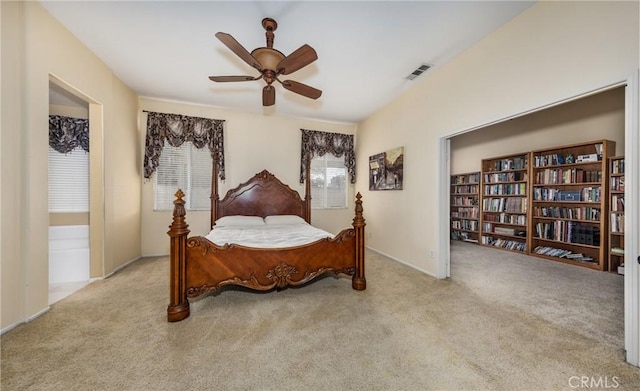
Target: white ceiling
{"x":167,"y":49}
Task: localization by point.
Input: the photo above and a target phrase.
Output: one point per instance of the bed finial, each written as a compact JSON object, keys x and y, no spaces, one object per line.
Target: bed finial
{"x":359,"y":281}
{"x":178,"y":204}
{"x":178,"y":308}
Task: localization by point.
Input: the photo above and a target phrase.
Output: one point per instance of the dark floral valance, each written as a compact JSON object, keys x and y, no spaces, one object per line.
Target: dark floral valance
{"x":316,"y":143}
{"x":67,"y":134}
{"x":176,"y":129}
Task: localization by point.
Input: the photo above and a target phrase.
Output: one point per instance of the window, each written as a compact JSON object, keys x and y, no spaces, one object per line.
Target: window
{"x":68,"y":181}
{"x":185,"y":167}
{"x":328,"y":182}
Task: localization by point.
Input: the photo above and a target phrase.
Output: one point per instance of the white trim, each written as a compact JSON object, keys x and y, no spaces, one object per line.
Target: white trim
{"x":29,"y":319}
{"x":402,"y":262}
{"x":122,"y":267}
{"x":154,"y":255}
{"x":444,"y":186}
{"x":632,"y":222}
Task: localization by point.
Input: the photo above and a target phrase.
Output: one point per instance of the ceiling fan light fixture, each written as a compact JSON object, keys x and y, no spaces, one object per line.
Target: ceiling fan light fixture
{"x":268,"y":58}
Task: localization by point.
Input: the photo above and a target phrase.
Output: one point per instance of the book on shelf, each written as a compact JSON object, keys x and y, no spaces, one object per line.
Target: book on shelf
{"x":617,"y":250}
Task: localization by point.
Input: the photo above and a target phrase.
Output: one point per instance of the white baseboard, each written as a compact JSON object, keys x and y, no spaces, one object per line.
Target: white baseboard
{"x":154,"y":255}
{"x":402,"y":262}
{"x":122,"y":267}
{"x":29,"y":319}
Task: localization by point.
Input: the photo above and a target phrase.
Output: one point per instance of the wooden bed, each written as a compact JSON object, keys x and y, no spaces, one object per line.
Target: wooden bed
{"x":199,"y":266}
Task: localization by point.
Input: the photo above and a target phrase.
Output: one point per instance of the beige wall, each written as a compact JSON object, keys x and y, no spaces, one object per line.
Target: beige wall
{"x":12,"y":266}
{"x":253,"y":142}
{"x":596,"y":117}
{"x":551,"y":52}
{"x":34,"y":47}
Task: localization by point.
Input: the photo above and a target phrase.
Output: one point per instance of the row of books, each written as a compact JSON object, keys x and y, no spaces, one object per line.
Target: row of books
{"x":617,"y":166}
{"x":464,"y":201}
{"x":509,"y":205}
{"x":587,"y":194}
{"x":505,"y":177}
{"x":563,"y":253}
{"x":554,"y":159}
{"x":469,"y":225}
{"x":617,"y":222}
{"x":516,"y":163}
{"x":506,"y":188}
{"x":504,"y":243}
{"x":463,"y":179}
{"x":617,"y":183}
{"x":568,"y":232}
{"x":465,"y":236}
{"x":572,"y":175}
{"x":465,"y":189}
{"x":506,"y":218}
{"x":617,"y":203}
{"x":562,"y":212}
{"x":557,"y":159}
{"x":466,"y":213}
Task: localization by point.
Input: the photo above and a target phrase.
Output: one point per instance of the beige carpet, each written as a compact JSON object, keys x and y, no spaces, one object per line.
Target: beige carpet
{"x":500,"y":323}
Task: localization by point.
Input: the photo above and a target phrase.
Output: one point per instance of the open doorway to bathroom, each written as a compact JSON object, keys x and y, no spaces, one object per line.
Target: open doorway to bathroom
{"x":69,"y":217}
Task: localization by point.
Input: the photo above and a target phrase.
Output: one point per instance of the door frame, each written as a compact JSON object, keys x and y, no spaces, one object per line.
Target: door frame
{"x":96,"y":177}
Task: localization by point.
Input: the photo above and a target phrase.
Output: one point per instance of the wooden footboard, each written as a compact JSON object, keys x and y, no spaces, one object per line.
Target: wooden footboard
{"x":199,"y":266}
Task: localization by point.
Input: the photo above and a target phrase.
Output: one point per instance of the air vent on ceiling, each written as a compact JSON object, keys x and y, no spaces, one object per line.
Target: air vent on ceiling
{"x":419,"y":71}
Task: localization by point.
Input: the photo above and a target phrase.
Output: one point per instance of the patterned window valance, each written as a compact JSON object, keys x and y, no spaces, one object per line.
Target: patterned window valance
{"x":316,"y":143}
{"x":176,"y":129}
{"x":67,"y":134}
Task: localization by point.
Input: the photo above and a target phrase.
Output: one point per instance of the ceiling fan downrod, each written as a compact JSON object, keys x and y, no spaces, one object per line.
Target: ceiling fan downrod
{"x":270,"y":25}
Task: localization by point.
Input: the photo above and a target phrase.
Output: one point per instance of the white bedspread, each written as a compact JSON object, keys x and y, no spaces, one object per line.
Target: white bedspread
{"x":268,"y":236}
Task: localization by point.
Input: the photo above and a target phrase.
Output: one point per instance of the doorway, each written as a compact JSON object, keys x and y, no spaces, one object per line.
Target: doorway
{"x":75,"y":190}
{"x":627,"y":91}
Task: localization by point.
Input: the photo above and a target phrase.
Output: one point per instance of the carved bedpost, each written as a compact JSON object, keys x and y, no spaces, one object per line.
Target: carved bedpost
{"x":214,"y":190}
{"x":359,"y":282}
{"x":178,"y":231}
{"x":307,"y":191}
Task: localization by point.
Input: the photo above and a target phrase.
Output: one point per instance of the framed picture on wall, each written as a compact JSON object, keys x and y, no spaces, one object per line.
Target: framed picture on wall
{"x":385,"y":170}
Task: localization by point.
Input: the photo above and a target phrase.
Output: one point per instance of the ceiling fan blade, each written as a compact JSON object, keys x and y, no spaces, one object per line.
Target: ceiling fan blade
{"x":268,"y":95}
{"x":301,"y":89}
{"x":239,"y":50}
{"x":300,"y":58}
{"x":232,"y":78}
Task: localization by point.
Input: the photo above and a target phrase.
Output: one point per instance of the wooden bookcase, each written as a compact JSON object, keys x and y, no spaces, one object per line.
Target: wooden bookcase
{"x":569,"y":199}
{"x":465,"y":214}
{"x":616,"y":214}
{"x":504,"y":194}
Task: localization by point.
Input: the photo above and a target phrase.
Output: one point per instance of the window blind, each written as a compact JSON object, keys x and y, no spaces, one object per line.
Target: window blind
{"x":68,"y":181}
{"x":185,"y":167}
{"x":328,"y":182}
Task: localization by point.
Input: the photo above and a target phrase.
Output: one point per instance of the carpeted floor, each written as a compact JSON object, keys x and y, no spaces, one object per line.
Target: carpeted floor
{"x":502,"y":322}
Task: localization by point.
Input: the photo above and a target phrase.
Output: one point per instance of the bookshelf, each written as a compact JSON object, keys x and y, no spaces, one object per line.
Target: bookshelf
{"x":504,"y":194}
{"x":464,"y":206}
{"x":616,"y":214}
{"x":569,"y":194}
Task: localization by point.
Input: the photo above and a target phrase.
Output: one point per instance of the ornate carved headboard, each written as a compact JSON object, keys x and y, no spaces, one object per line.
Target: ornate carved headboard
{"x":262,"y":195}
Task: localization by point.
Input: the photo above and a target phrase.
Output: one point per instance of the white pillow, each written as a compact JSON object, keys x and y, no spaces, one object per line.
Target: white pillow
{"x":284,"y":220}
{"x":239,"y":221}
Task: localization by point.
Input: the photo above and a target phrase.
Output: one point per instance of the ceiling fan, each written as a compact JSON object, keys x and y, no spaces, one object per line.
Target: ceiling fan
{"x":271,"y":63}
